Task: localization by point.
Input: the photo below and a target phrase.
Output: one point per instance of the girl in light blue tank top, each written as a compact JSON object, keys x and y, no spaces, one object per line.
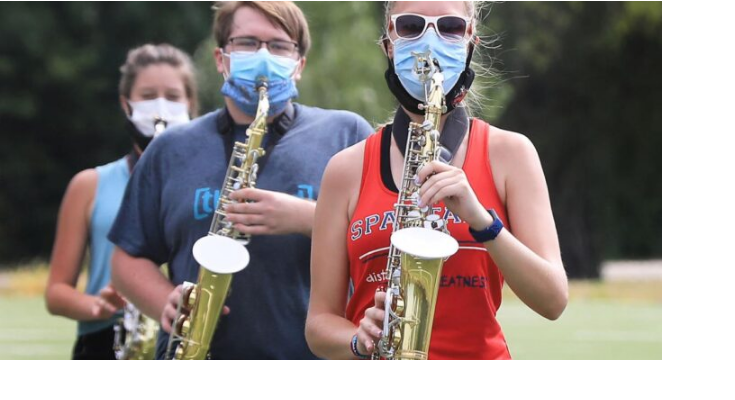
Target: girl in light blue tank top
{"x":111,"y":182}
{"x":157,"y":85}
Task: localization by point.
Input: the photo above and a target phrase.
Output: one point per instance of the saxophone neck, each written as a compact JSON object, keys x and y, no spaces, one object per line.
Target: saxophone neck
{"x":258,"y":126}
{"x":263,"y":90}
{"x":431,"y":75}
{"x":435,"y":102}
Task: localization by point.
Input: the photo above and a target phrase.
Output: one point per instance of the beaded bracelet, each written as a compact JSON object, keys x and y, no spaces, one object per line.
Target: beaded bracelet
{"x":353,"y":347}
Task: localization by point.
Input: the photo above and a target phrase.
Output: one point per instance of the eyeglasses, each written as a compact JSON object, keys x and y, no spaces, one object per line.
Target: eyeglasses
{"x":276,"y":47}
{"x":412,"y":26}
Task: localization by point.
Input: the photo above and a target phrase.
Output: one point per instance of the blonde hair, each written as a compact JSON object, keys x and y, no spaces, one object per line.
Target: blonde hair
{"x":149,"y":54}
{"x":284,"y":14}
{"x":472,"y":8}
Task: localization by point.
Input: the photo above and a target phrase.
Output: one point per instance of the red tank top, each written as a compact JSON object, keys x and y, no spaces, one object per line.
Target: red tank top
{"x":471,"y":284}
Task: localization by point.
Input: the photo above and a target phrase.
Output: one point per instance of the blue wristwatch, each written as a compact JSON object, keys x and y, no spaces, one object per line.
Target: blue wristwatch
{"x":489,"y":233}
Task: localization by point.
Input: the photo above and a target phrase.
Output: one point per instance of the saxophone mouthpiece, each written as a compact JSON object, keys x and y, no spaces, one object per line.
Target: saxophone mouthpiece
{"x":423,"y":66}
{"x":159,"y":125}
{"x":262,"y":82}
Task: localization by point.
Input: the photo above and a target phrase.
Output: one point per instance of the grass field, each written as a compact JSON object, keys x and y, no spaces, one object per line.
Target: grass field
{"x":620,"y":320}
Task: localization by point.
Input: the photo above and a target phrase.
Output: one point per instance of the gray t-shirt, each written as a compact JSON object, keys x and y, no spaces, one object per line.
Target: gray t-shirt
{"x":170,"y":200}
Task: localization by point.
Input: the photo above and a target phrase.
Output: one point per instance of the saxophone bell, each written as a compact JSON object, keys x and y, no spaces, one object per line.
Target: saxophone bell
{"x":423,"y":252}
{"x":220,"y":254}
{"x":223,"y":256}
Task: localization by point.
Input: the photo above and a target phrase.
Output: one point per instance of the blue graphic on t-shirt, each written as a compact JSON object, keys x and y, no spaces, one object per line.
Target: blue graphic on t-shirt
{"x":205,"y":202}
{"x":305,"y":192}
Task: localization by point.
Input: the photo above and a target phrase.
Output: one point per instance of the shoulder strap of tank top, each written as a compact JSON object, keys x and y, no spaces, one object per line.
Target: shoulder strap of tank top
{"x":371,"y":156}
{"x":478,"y":140}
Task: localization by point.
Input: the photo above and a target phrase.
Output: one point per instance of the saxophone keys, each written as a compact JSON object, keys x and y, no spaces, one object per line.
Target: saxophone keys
{"x":190,"y":296}
{"x":421,"y":142}
{"x":434,"y":222}
{"x":397,"y":338}
{"x":179,"y":355}
{"x":182,"y":324}
{"x":445,"y":156}
{"x":254,"y":173}
{"x":399,"y":306}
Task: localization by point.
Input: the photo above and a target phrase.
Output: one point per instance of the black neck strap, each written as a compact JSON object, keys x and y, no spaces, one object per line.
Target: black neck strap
{"x":455,"y":129}
{"x":276,"y":130}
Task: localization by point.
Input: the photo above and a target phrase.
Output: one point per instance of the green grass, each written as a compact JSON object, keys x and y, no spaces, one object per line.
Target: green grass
{"x":590,"y":329}
{"x":602,"y":321}
{"x":29,"y":332}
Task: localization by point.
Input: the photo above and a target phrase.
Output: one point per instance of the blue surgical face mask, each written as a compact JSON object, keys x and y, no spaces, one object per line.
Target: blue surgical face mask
{"x":246,"y":71}
{"x":452,"y":57}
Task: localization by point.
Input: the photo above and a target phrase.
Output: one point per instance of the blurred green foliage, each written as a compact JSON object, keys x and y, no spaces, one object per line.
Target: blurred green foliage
{"x":582,"y":80}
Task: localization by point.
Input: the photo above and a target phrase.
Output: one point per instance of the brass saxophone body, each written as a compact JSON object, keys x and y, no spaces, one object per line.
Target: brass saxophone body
{"x":135,"y":335}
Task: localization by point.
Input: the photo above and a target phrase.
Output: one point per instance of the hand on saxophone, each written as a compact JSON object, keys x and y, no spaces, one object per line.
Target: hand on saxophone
{"x":107,"y":303}
{"x":448,"y":183}
{"x":169,"y":310}
{"x":371,"y":326}
{"x":264,"y":212}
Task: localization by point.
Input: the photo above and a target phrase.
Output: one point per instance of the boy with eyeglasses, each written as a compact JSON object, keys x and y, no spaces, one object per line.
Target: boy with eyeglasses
{"x":174,"y":190}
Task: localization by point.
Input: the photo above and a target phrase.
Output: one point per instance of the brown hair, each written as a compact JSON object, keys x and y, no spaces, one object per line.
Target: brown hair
{"x":283,"y":14}
{"x":150,"y":54}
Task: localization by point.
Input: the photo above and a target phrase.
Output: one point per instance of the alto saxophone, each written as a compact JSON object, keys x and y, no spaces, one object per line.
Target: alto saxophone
{"x":419,"y":242}
{"x":135,"y":335}
{"x":221,"y":253}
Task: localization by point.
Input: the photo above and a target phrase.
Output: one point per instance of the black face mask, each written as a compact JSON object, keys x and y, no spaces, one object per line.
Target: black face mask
{"x":452,"y":98}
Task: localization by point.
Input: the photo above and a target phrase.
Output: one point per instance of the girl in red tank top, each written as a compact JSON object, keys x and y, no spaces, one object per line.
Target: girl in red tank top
{"x":493,"y":170}
{"x":471,"y":285}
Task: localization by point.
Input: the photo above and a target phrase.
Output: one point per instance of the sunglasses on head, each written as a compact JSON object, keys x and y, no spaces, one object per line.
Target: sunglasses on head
{"x":412,"y":26}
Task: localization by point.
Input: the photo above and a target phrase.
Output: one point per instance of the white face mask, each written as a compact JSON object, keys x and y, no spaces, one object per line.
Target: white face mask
{"x":147,"y":113}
